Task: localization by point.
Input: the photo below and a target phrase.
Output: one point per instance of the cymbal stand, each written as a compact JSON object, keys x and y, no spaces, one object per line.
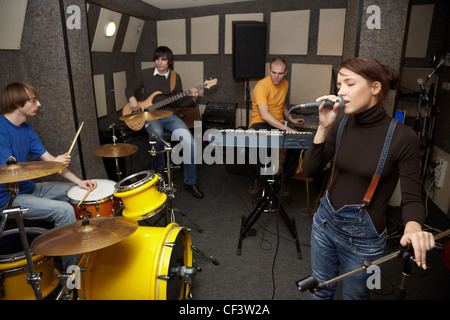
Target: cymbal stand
{"x":114,"y":138}
{"x":33,"y":278}
{"x":311,"y":284}
{"x":170,"y":191}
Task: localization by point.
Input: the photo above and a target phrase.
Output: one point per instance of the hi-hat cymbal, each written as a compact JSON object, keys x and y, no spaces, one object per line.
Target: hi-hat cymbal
{"x":84,"y":236}
{"x":146,"y":115}
{"x":115,"y":151}
{"x":29,"y":170}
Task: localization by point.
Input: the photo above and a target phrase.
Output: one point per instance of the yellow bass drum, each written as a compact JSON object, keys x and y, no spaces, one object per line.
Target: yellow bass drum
{"x":144,"y":266}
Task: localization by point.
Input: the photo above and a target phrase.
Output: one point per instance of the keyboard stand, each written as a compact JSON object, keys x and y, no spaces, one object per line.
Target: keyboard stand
{"x":268,"y":199}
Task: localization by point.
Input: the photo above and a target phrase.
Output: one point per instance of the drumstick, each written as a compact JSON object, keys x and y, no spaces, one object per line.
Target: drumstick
{"x":84,"y":198}
{"x":75,"y":139}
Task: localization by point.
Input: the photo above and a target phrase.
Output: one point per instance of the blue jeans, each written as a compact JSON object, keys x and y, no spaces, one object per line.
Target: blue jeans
{"x":343,"y":238}
{"x":48,"y":202}
{"x":180,"y":132}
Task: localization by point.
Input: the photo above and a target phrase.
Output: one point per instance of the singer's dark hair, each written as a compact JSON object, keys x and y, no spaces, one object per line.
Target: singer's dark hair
{"x":15,"y":95}
{"x":372,"y":71}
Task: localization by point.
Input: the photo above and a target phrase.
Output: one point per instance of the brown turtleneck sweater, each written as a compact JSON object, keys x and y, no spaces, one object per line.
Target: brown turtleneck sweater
{"x":359,"y":151}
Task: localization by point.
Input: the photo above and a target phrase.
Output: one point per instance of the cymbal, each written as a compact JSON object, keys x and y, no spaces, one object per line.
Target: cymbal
{"x":29,"y":170}
{"x":115,"y":151}
{"x":84,"y":236}
{"x":146,"y":115}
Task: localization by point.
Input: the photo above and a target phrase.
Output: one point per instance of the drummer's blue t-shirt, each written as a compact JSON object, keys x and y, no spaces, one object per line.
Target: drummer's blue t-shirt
{"x":22,"y":143}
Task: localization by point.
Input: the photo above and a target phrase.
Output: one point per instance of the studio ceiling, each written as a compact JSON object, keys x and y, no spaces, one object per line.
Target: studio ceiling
{"x":176,"y":4}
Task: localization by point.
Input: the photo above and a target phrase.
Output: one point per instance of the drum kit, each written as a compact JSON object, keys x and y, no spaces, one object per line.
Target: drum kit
{"x":120,"y":257}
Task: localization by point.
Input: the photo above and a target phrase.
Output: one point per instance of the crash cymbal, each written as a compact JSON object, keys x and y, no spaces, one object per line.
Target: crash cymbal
{"x":146,"y":115}
{"x":84,"y":236}
{"x":29,"y":170}
{"x":115,"y":151}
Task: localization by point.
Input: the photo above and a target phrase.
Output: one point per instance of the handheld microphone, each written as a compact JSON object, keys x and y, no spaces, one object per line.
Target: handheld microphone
{"x":422,"y":88}
{"x":316,"y":104}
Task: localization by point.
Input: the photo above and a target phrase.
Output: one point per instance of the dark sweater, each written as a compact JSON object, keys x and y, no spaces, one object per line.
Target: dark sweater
{"x":359,"y":151}
{"x":146,"y":80}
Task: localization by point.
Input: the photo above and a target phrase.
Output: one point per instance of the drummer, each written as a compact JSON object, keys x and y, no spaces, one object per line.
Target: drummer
{"x":46,"y":200}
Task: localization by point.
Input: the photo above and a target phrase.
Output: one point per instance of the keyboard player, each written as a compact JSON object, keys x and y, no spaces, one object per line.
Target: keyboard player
{"x":268,"y":111}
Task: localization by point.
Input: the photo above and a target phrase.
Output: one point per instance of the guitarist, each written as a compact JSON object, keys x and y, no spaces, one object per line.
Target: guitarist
{"x":160,"y":78}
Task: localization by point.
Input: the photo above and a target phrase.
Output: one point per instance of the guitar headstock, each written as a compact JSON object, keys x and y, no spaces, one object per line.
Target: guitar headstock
{"x":209,"y":83}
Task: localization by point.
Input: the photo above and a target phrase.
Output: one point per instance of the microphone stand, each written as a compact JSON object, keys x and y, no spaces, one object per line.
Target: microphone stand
{"x":114,"y":139}
{"x":311,"y":284}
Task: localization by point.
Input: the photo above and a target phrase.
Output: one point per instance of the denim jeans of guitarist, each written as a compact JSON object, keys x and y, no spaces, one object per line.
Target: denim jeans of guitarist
{"x":175,"y":125}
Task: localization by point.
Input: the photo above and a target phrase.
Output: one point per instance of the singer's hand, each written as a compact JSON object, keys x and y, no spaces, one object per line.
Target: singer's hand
{"x":326,"y":115}
{"x":421,"y":242}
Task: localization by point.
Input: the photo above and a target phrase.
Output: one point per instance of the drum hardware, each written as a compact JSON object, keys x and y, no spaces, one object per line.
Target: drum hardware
{"x":33,"y":277}
{"x":311,"y":284}
{"x":84,"y":236}
{"x":146,"y":115}
{"x":28,"y":170}
{"x":11,"y":173}
{"x":115,"y":150}
{"x":154,"y":263}
{"x":140,"y":195}
{"x":99,"y":202}
{"x":167,"y":150}
{"x":170,"y":190}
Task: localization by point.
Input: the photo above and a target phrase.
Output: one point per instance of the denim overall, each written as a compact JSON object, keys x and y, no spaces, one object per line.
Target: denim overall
{"x":346,"y":237}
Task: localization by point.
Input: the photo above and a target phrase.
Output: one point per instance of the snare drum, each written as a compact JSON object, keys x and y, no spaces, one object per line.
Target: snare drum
{"x":144,"y":266}
{"x":99,"y":203}
{"x":140,"y":195}
{"x":14,"y":267}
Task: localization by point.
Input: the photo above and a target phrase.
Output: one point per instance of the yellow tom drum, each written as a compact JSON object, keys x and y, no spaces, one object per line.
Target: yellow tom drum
{"x":14,"y":267}
{"x":140,"y":196}
{"x":145,"y":266}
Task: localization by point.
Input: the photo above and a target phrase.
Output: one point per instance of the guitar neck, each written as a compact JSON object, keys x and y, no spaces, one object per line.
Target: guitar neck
{"x":174,"y":98}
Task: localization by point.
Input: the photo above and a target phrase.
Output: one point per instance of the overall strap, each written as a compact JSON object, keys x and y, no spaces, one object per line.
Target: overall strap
{"x":376,"y":177}
{"x":338,"y":141}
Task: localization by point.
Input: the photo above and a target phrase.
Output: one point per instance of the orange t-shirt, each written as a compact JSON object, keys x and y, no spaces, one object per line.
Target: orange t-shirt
{"x":265,"y":92}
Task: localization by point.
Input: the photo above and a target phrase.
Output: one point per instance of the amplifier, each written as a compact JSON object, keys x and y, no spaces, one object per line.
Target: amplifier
{"x":219,"y":115}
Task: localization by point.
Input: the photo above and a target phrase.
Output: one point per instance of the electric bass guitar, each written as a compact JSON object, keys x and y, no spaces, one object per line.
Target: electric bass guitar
{"x":147,"y":105}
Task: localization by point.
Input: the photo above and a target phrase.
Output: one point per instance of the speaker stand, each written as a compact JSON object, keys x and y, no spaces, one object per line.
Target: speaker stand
{"x":247,"y":102}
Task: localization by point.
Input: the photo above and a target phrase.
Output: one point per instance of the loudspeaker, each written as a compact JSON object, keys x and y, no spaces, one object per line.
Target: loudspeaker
{"x":249,"y":49}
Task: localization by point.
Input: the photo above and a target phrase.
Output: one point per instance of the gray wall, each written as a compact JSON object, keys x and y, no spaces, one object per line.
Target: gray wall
{"x":42,"y":61}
